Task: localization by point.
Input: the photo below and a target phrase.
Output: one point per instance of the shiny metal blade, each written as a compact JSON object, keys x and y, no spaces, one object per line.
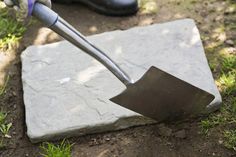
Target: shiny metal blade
{"x":161,"y":96}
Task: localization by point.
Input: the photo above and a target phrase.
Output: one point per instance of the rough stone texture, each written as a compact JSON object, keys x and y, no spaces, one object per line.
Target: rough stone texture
{"x":66,"y":92}
{"x":180,"y":134}
{"x":163,"y":130}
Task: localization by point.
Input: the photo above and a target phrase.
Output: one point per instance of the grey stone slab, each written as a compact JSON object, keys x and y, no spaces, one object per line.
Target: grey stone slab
{"x":66,"y":92}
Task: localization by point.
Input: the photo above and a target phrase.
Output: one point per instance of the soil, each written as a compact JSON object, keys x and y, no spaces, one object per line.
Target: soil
{"x":181,"y":140}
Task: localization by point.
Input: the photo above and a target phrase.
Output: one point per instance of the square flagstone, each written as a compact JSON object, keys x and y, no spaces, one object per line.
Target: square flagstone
{"x":66,"y":92}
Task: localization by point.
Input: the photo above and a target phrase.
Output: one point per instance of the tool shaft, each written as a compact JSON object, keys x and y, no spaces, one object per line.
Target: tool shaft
{"x":68,"y":32}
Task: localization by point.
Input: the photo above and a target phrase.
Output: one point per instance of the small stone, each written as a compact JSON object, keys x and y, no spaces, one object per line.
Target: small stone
{"x":26,"y":155}
{"x":93,"y":142}
{"x":7,"y":136}
{"x":93,"y":29}
{"x":230,"y":42}
{"x":220,"y":141}
{"x":107,"y":139}
{"x":231,"y":50}
{"x":164,"y":130}
{"x":180,"y":134}
{"x":134,"y":135}
{"x":219,"y":18}
{"x":203,"y":13}
{"x":11,"y":74}
{"x":14,"y":93}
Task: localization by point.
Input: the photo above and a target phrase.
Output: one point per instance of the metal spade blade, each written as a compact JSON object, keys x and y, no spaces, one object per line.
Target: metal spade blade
{"x":161,"y":96}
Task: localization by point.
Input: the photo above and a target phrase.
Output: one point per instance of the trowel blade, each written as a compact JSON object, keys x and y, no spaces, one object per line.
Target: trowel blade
{"x":163,"y":97}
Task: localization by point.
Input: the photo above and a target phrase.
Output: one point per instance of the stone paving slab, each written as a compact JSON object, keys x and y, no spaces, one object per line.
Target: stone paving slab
{"x":66,"y":92}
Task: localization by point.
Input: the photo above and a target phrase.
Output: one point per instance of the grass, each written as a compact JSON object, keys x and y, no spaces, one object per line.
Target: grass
{"x":228,"y":83}
{"x":229,"y":64}
{"x":3,"y":87}
{"x":225,"y":119}
{"x":2,"y":145}
{"x":3,"y":116}
{"x":148,"y":6}
{"x":222,"y":61}
{"x":227,"y":79}
{"x":11,"y":31}
{"x":230,"y":136}
{"x":4,"y":126}
{"x":61,"y":150}
{"x":210,"y":122}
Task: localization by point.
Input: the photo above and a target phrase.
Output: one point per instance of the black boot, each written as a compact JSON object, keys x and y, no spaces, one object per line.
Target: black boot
{"x":109,"y":7}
